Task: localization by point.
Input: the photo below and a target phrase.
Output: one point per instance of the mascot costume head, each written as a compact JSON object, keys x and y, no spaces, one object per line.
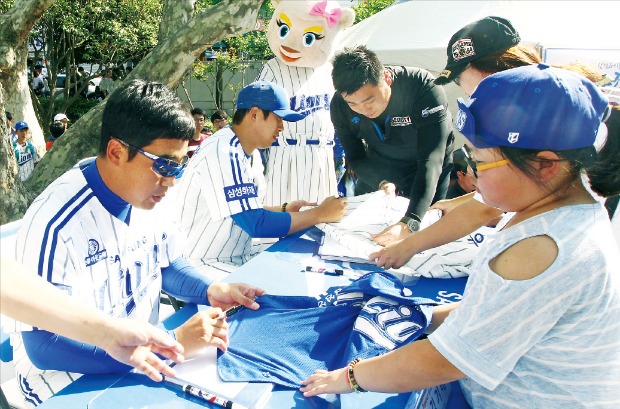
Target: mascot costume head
{"x":301,"y":33}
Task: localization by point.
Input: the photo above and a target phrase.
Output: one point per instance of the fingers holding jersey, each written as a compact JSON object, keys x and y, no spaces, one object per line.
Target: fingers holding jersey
{"x":322,"y":382}
{"x":225,"y":295}
{"x":394,"y":255}
{"x":205,"y":329}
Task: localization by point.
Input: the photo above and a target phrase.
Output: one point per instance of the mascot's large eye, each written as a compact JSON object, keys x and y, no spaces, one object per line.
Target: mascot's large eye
{"x":283,"y":30}
{"x":310,"y":38}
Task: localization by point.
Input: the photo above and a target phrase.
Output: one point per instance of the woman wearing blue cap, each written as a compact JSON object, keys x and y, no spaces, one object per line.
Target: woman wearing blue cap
{"x":538,"y":323}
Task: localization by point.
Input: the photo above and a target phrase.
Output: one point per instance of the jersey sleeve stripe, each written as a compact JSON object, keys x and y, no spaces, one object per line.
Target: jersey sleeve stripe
{"x":53,"y":220}
{"x":54,"y":238}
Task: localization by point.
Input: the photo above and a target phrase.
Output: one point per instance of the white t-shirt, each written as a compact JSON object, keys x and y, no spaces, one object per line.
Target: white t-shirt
{"x":552,"y":341}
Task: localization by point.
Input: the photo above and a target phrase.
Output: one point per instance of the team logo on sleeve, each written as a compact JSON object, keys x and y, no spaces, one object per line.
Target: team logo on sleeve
{"x":94,"y":254}
{"x":240,"y":192}
{"x":426,"y":111}
{"x":400,"y":121}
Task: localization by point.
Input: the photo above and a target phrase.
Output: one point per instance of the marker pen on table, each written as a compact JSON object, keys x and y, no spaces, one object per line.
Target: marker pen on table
{"x":204,"y":395}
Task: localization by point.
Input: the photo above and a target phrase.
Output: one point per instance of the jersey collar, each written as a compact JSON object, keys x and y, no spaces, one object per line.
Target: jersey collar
{"x":110,"y":200}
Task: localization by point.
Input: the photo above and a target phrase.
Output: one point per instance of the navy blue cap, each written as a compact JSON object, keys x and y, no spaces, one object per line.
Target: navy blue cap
{"x":268,"y":96}
{"x":21,"y":125}
{"x":532,"y":107}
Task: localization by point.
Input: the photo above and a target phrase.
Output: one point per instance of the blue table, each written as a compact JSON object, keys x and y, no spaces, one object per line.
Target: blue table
{"x":279,"y":270}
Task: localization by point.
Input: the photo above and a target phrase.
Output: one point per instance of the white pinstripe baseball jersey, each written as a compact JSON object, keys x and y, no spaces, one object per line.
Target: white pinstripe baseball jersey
{"x":70,"y":238}
{"x":220,"y":181}
{"x":304,"y":170}
{"x":26,"y":156}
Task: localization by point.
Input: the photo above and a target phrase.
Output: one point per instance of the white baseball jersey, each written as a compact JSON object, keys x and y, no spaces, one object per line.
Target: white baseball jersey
{"x":220,"y":181}
{"x":26,"y":156}
{"x":301,"y":166}
{"x":73,"y":242}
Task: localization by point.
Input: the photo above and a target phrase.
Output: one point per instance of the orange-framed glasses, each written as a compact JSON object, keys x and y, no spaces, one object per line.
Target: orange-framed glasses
{"x":476,"y":167}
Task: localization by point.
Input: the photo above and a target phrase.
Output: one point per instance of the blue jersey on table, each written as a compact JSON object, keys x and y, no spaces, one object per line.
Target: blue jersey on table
{"x":290,"y":337}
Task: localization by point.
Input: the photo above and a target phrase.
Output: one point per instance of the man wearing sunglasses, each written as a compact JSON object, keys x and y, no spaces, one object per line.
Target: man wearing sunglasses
{"x":220,"y":194}
{"x":94,"y":233}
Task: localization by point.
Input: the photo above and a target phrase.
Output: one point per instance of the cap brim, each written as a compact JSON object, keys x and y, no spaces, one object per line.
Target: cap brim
{"x":288,"y":115}
{"x":449,"y":74}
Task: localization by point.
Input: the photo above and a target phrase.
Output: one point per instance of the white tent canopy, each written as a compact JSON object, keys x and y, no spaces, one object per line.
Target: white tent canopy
{"x":417,"y":32}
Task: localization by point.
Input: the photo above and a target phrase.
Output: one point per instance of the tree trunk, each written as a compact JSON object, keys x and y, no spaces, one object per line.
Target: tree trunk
{"x":166,"y":63}
{"x":13,"y":195}
{"x":15,"y":26}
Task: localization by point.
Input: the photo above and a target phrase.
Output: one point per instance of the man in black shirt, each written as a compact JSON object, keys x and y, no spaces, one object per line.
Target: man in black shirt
{"x":394,"y":125}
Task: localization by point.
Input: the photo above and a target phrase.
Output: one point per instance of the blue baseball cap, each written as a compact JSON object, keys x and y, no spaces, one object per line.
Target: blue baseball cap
{"x":532,"y":107}
{"x":21,"y":125}
{"x":268,"y":96}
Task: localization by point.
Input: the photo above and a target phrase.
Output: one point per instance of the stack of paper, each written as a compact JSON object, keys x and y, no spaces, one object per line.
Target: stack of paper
{"x":350,"y":239}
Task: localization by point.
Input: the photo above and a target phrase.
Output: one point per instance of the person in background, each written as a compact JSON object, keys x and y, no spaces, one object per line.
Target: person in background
{"x":539,"y":320}
{"x":62,"y":117}
{"x":39,"y":83}
{"x":9,"y":119}
{"x":108,"y":83}
{"x":57,"y":128}
{"x":462,"y":181}
{"x":219,"y":119}
{"x":199,"y":116}
{"x":25,"y":153}
{"x":25,"y":297}
{"x":207,"y":131}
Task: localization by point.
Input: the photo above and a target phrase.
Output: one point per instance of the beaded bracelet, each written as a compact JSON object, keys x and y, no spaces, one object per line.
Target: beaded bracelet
{"x":351,"y":377}
{"x":284,"y":206}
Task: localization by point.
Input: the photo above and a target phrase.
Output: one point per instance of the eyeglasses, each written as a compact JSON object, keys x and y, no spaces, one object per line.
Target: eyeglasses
{"x":199,"y":119}
{"x":164,"y":167}
{"x":475,"y":167}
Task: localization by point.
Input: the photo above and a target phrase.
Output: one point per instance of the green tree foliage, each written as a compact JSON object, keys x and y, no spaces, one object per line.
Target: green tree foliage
{"x":106,"y":32}
{"x":367,"y":8}
{"x":217,"y":74}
